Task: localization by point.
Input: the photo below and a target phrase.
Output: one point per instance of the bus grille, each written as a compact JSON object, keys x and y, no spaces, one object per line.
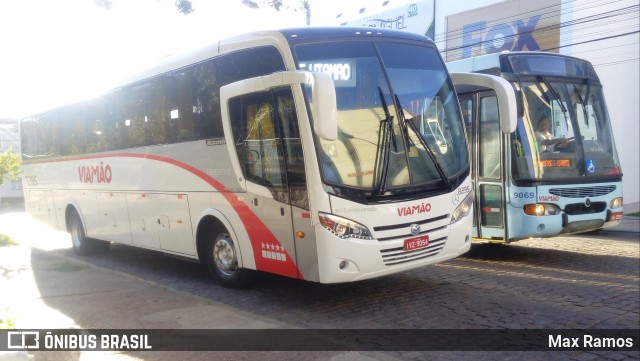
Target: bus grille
{"x":395,"y":256}
{"x":582,"y":192}
{"x":579,"y":208}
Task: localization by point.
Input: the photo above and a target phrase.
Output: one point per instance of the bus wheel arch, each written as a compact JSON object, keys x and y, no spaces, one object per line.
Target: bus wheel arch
{"x":82,"y":245}
{"x":219,"y":251}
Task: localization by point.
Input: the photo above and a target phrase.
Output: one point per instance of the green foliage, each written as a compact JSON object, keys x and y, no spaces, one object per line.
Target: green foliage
{"x":7,"y":241}
{"x":6,"y":320}
{"x":9,"y":166}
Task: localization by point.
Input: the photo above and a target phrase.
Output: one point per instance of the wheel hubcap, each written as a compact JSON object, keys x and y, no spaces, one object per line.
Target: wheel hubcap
{"x":224,"y":255}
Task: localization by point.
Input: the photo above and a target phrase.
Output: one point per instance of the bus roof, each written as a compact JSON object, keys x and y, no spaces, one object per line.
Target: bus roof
{"x":481,"y":63}
{"x":262,"y":38}
{"x":525,"y":63}
{"x":247,"y":40}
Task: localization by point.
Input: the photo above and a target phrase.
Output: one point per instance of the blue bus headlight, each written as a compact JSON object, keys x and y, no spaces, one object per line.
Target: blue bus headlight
{"x":541,"y":209}
{"x":344,"y":228}
{"x":463,"y":209}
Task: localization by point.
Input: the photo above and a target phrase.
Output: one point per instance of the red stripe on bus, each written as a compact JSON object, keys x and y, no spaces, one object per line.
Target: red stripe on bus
{"x":259,"y":233}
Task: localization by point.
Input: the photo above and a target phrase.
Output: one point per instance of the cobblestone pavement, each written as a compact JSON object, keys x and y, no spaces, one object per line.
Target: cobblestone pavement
{"x":568,"y":282}
{"x":578,"y":282}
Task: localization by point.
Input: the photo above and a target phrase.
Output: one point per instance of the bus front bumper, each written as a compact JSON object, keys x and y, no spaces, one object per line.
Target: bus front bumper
{"x":348,"y":260}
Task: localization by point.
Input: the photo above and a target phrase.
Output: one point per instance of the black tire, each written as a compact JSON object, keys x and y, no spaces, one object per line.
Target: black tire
{"x":222,"y":261}
{"x":82,"y":245}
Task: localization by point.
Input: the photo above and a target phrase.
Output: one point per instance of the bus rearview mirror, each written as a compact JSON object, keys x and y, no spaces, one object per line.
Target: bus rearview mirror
{"x":507,"y":106}
{"x":324,"y":107}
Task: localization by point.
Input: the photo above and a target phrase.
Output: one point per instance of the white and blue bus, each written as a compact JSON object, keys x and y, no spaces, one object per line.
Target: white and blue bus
{"x":323,"y":154}
{"x":557,"y":172}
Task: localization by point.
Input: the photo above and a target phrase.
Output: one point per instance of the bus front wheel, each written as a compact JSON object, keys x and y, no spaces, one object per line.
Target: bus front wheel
{"x":222,"y":261}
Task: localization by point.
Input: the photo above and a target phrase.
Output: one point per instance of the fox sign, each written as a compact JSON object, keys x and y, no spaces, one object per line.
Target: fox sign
{"x":512,"y":25}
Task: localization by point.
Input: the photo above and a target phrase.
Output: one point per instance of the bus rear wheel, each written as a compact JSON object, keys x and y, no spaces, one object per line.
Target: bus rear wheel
{"x":222,"y":261}
{"x":82,"y":245}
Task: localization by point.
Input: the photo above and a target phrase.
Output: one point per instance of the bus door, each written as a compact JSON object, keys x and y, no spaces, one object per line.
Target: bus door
{"x":263,"y":126}
{"x":481,"y":113}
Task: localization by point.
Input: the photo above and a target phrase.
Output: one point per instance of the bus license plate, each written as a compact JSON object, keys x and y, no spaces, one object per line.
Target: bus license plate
{"x":416,"y":243}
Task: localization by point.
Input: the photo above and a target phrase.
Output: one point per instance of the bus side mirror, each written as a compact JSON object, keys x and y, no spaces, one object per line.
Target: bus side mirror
{"x":517,"y":87}
{"x":507,"y":106}
{"x":324,"y":107}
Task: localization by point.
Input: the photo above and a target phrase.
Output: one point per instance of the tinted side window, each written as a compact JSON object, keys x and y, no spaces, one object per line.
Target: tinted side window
{"x":250,"y":63}
{"x":206,"y":101}
{"x":254,"y":123}
{"x":489,"y":135}
{"x":179,"y":108}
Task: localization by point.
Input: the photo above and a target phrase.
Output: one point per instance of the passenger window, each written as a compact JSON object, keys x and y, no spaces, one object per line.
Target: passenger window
{"x":206,"y":101}
{"x":179,"y":111}
{"x":489,"y":136}
{"x":257,"y":143}
{"x":267,"y":140}
{"x":466,"y":104}
{"x":491,"y":205}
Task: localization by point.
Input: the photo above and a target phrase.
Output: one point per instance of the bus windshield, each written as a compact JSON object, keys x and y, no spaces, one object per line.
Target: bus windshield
{"x":399,"y":127}
{"x":565,"y":131}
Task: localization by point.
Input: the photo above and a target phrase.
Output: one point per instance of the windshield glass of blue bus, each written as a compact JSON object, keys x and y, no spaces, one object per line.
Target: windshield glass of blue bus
{"x":565,"y":131}
{"x":399,"y":124}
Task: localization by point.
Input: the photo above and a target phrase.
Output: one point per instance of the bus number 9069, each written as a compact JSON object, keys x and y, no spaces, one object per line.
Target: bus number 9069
{"x":526,"y":195}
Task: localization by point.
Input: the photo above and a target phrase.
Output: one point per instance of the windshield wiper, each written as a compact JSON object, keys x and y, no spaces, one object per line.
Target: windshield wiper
{"x":555,"y":94}
{"x":385,"y":133}
{"x":565,"y":112}
{"x":576,"y":132}
{"x":583,"y":104}
{"x":426,"y":146}
{"x":587,"y":93}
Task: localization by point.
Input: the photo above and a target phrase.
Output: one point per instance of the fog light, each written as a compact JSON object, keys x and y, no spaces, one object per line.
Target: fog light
{"x":342,"y":264}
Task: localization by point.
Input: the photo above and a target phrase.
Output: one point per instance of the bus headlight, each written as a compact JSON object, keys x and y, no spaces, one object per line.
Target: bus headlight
{"x":344,"y":228}
{"x":541,"y":209}
{"x":463,"y":209}
{"x":616,"y":202}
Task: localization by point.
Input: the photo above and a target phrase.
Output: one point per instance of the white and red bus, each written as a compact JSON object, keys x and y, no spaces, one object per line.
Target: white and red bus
{"x":327,"y":154}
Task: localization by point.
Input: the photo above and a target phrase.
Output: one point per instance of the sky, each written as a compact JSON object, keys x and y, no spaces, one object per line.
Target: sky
{"x":54,"y":52}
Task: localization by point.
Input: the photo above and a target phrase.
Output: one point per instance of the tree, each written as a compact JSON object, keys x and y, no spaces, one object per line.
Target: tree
{"x":9,"y":166}
{"x":304,"y":6}
{"x":186,"y":7}
{"x":183,"y":6}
